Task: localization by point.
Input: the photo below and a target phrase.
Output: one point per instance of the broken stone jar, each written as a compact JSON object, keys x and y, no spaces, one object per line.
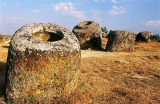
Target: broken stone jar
{"x":42,"y":65}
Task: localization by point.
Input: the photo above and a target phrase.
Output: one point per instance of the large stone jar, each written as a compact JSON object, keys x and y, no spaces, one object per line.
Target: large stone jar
{"x":144,"y":36}
{"x":120,"y":41}
{"x":42,"y":65}
{"x":89,"y":34}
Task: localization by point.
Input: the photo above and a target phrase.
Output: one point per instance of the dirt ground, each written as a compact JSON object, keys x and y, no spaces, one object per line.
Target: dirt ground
{"x":113,"y":77}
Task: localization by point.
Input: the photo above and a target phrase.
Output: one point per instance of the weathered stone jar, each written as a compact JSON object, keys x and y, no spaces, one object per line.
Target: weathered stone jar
{"x":144,"y":36}
{"x":42,"y":65}
{"x":89,"y":34}
{"x":120,"y":41}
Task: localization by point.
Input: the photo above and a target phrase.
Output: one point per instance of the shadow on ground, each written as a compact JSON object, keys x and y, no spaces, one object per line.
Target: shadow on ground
{"x":2,"y":78}
{"x":5,"y":46}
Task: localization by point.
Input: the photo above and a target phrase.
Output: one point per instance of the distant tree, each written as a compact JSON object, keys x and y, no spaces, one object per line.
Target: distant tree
{"x":1,"y":38}
{"x":104,"y":29}
{"x":155,"y":37}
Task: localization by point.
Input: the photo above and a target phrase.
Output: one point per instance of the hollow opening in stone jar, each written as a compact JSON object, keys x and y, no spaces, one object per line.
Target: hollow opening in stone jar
{"x":46,"y":36}
{"x":89,"y":22}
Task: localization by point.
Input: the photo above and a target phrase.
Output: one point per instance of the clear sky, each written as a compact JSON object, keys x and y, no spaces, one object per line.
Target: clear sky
{"x":134,"y":15}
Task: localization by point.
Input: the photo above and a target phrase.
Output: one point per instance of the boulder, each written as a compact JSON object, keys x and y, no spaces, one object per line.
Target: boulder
{"x":120,"y":40}
{"x":42,"y":65}
{"x":144,"y":36}
{"x":89,"y":34}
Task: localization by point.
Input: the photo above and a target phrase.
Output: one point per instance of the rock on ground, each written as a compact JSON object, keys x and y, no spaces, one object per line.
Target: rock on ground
{"x":144,"y":36}
{"x":89,"y":34}
{"x":42,"y":65}
{"x":120,"y":40}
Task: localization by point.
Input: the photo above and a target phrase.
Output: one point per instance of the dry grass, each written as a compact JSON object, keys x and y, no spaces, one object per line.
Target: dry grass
{"x":3,"y":56}
{"x":113,"y":77}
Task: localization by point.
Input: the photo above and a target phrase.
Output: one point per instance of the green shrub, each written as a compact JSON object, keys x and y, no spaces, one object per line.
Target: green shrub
{"x":155,"y":37}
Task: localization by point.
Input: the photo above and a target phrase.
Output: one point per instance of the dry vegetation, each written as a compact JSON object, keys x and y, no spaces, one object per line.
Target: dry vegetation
{"x":113,"y":77}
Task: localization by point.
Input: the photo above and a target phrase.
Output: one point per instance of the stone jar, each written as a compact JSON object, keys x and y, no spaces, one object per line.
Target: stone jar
{"x":120,"y":41}
{"x":89,"y":34}
{"x":144,"y":36}
{"x":42,"y":65}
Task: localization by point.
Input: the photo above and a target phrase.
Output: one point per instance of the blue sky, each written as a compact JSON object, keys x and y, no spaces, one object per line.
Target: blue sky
{"x":134,"y":15}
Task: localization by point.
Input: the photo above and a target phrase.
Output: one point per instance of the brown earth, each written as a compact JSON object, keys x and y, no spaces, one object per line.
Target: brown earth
{"x":112,"y":77}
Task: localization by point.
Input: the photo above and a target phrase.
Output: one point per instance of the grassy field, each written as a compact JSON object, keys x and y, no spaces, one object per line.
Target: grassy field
{"x":113,"y":77}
